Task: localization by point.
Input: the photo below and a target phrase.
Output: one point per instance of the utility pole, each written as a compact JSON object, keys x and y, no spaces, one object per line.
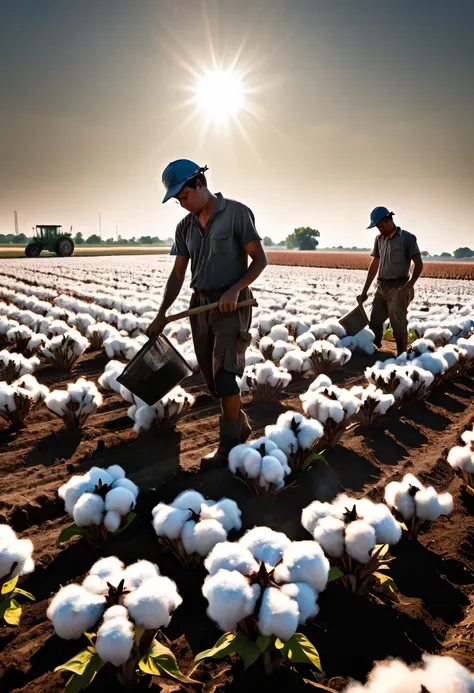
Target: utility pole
{"x":15,"y":215}
{"x":116,"y":232}
{"x":100,"y":228}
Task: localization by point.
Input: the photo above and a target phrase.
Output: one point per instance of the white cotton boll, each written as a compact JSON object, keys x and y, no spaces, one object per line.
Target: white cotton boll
{"x":305,"y":340}
{"x":152,"y":604}
{"x":232,"y":514}
{"x":128,"y":484}
{"x":137,"y":573}
{"x":280,"y":348}
{"x":252,"y":463}
{"x":360,"y":540}
{"x":168,"y":521}
{"x":269,"y":445}
{"x":279,"y":332}
{"x":96,"y":585}
{"x":14,"y":550}
{"x":306,"y":598}
{"x":313,"y":512}
{"x":290,"y":418}
{"x":74,"y":611}
{"x":461,"y":457}
{"x":284,"y":438}
{"x":206,"y":534}
{"x":329,"y":533}
{"x":73,"y":490}
{"x":387,"y":529}
{"x":235,"y":459}
{"x":57,"y":400}
{"x":271,"y":470}
{"x":144,"y":418}
{"x":112,"y":520}
{"x":293,"y":361}
{"x":282,"y":459}
{"x":304,"y":561}
{"x":429,"y":506}
{"x":88,"y":510}
{"x":253,"y":356}
{"x":96,"y":475}
{"x":227,"y":555}
{"x":309,"y":433}
{"x":116,"y":472}
{"x":117,"y":611}
{"x":446,"y":675}
{"x":279,"y":614}
{"x":109,"y":569}
{"x":266,"y":345}
{"x":115,"y":640}
{"x":189,"y":500}
{"x":230,"y":598}
{"x":265,"y":544}
{"x":389,"y":676}
{"x":120,"y":499}
{"x":321,"y":382}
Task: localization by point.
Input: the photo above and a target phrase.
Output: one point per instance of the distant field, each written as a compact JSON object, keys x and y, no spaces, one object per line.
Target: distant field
{"x":360,"y":261}
{"x":8,"y":251}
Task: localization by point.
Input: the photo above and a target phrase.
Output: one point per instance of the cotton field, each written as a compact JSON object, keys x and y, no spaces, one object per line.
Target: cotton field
{"x":334,"y":549}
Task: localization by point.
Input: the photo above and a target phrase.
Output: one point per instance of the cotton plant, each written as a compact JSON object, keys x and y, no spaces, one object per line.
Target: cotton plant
{"x":98,"y":332}
{"x":415,"y":505}
{"x":253,"y":356}
{"x":461,"y":459}
{"x":6,"y":324}
{"x":298,"y":438}
{"x":108,"y":379}
{"x":334,"y":407}
{"x":435,"y":674}
{"x":363,"y":341}
{"x":64,"y":350}
{"x":118,"y":346}
{"x":19,"y":337}
{"x":404,"y":382}
{"x":13,"y":365}
{"x":261,"y":465}
{"x":259,"y":590}
{"x":163,"y":414}
{"x":120,"y":610}
{"x":18,"y":400}
{"x":264,"y":381}
{"x":101,"y":503}
{"x":374,"y":404}
{"x":76,"y":404}
{"x":191,"y":525}
{"x":275,"y":350}
{"x":296,"y":361}
{"x":355,"y":535}
{"x":15,"y":560}
{"x":325,"y":357}
{"x":35,"y":344}
{"x":466,"y":356}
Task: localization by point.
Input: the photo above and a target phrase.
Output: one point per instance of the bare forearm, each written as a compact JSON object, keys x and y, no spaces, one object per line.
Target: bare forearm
{"x":172,"y":289}
{"x":254,"y":270}
{"x":417,"y":270}
{"x":371,"y":274}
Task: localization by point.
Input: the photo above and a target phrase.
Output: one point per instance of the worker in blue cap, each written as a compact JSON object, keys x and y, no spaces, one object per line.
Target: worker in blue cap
{"x":218,"y":236}
{"x":394,"y":252}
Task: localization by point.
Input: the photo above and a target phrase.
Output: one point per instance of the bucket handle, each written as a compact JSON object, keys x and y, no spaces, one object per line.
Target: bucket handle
{"x":206,"y":308}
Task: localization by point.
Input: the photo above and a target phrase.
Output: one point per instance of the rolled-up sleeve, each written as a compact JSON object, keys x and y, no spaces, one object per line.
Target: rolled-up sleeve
{"x":375,"y":251}
{"x":179,"y":246}
{"x":246,"y":225}
{"x":412,"y":246}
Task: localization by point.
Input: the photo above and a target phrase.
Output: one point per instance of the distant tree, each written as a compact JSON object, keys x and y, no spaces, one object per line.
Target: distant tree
{"x":282,"y":243}
{"x":145,"y":240}
{"x":425,"y":253}
{"x":446,"y":255}
{"x":78,"y":238}
{"x":133,"y":239}
{"x":267,"y":241}
{"x":463,"y":252}
{"x":94,"y":239}
{"x":304,"y":238}
{"x":109,"y":241}
{"x":156,"y":241}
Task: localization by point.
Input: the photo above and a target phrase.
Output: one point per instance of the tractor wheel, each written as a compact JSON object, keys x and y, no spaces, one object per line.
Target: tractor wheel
{"x":33,"y":250}
{"x":64,"y":247}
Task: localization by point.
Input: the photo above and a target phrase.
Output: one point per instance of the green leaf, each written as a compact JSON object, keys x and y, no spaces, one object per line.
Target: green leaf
{"x":160,"y":660}
{"x":334,"y":573}
{"x":380,"y":550}
{"x":223,"y":647}
{"x":12,"y":613}
{"x":242,"y":481}
{"x":388,"y":333}
{"x":70,"y":532}
{"x":264,"y":642}
{"x":130,"y":519}
{"x":312,"y":458}
{"x":9,"y":586}
{"x":279,"y":644}
{"x":387,"y":586}
{"x":247,"y":649}
{"x":91,"y":638}
{"x":301,"y":651}
{"x":139,"y":630}
{"x":78,"y":682}
{"x":24,"y":593}
{"x":79,"y":662}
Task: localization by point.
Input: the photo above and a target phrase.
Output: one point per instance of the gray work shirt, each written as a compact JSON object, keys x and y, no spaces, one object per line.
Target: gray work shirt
{"x":217,"y":253}
{"x":395,"y":254}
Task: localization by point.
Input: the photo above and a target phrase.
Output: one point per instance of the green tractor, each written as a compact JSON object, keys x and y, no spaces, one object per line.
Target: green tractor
{"x":50,"y":238}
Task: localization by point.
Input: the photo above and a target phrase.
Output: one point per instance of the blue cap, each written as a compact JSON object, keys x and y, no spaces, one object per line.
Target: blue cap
{"x":177,"y":173}
{"x":377,"y":215}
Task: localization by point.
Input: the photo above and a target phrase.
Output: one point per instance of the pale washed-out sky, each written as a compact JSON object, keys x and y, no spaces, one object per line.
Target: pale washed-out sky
{"x":352,"y":104}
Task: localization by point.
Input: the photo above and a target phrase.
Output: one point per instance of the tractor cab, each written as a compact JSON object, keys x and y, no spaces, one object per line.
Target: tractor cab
{"x":50,"y":237}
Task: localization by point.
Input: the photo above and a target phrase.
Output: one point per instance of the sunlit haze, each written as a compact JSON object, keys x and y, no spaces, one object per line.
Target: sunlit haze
{"x":311,"y":112}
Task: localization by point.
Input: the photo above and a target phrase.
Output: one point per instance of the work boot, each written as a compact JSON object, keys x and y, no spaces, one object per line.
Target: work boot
{"x":230,"y":433}
{"x":246,"y":427}
{"x":401,"y":346}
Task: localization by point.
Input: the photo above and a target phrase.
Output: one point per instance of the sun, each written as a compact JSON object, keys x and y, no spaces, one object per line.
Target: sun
{"x":220,"y":95}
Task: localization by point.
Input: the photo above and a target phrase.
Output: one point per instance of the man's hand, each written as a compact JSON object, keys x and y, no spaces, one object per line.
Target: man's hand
{"x":362,"y":298}
{"x":228,"y":301}
{"x":157,"y":326}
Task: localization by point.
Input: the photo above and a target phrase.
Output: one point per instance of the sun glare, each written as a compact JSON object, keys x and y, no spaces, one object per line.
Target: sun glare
{"x":220,"y":95}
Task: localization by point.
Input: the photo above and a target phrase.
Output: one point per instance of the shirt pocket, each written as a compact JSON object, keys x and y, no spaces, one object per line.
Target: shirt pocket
{"x":222,"y":243}
{"x":398,"y":256}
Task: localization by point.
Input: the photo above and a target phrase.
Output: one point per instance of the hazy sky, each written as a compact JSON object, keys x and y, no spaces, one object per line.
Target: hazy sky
{"x":353,"y":103}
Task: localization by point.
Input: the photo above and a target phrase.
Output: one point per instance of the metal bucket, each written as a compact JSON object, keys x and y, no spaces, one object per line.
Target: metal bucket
{"x":155,"y":370}
{"x":354,"y":321}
